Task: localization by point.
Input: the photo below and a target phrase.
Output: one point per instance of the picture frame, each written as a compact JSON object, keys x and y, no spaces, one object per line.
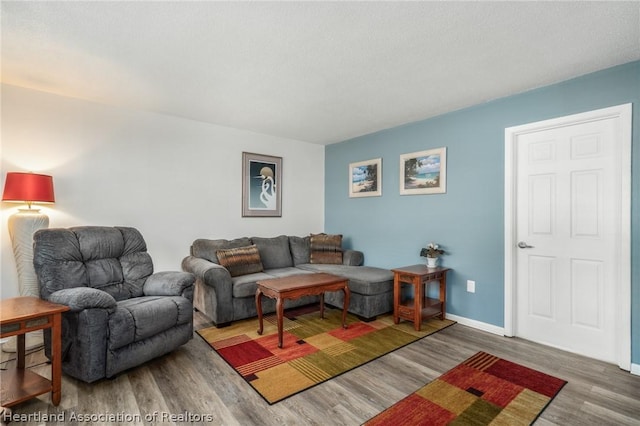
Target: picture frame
{"x":424,"y":172}
{"x":365,"y":178}
{"x":261,"y":185}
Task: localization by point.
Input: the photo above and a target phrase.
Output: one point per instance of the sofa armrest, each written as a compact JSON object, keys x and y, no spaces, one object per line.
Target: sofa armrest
{"x":170,"y":283}
{"x":213,"y":282}
{"x":352,"y":258}
{"x":81,"y":298}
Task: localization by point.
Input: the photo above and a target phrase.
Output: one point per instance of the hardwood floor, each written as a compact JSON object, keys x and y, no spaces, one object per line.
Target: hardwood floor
{"x":195,"y":386}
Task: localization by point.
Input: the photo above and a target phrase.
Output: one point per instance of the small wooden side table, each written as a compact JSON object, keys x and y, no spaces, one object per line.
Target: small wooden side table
{"x":19,"y":316}
{"x":421,"y":307}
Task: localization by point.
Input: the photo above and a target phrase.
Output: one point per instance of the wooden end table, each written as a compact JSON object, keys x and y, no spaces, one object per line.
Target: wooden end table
{"x":19,"y":316}
{"x":297,"y":286}
{"x":421,"y":307}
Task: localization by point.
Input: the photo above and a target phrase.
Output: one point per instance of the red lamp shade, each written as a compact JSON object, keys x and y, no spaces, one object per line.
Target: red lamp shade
{"x":28,"y":188}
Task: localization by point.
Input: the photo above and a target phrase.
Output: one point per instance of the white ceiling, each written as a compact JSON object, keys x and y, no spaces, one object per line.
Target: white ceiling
{"x":320,"y":72}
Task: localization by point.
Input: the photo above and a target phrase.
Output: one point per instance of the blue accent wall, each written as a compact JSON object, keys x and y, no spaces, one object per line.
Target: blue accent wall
{"x":468,"y":220}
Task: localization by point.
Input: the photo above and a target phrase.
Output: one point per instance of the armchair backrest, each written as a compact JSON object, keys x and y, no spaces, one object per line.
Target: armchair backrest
{"x":112,"y":259}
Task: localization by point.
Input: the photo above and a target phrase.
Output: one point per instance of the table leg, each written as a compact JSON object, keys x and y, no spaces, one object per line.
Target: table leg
{"x":443,"y":296}
{"x":259,"y":309}
{"x":418,"y":294}
{"x":280,"y":315}
{"x":345,"y":305}
{"x":396,"y":298}
{"x":56,"y":361}
{"x":20,"y":350}
{"x":322,"y":305}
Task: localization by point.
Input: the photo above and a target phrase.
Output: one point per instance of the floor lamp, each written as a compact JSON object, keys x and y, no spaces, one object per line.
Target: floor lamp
{"x":26,"y":188}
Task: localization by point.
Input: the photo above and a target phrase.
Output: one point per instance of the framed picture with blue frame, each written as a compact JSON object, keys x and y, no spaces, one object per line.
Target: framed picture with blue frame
{"x":261,"y":185}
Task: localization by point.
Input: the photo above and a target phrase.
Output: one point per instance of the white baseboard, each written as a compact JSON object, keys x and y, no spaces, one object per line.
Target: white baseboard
{"x":635,"y":368}
{"x":490,"y":328}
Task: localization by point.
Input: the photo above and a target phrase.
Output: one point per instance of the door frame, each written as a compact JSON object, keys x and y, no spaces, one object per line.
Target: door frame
{"x":623,"y":288}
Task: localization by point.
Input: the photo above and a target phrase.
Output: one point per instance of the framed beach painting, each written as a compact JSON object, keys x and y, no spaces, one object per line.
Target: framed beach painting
{"x":365,"y":178}
{"x":261,"y":185}
{"x":424,"y":172}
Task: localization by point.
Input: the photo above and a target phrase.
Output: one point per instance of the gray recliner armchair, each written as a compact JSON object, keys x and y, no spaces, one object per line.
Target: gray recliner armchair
{"x":122,"y":314}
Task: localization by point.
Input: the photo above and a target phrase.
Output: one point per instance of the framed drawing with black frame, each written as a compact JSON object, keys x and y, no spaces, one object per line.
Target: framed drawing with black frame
{"x":365,"y":178}
{"x":261,"y":185}
{"x":424,"y":172}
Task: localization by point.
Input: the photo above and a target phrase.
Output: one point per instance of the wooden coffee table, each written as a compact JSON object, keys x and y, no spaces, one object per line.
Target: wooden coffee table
{"x":297,"y":286}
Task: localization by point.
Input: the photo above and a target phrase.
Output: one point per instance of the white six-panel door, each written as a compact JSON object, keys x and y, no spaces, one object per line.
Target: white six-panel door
{"x":567,"y":242}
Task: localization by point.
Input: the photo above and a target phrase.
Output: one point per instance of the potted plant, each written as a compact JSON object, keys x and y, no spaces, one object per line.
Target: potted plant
{"x":432,"y":251}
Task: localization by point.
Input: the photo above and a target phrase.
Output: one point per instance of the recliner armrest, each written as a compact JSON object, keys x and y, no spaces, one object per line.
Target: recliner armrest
{"x":169,"y":283}
{"x":80,"y":298}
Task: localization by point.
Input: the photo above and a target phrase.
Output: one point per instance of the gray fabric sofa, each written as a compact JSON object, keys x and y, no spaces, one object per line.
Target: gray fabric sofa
{"x":225,"y":299}
{"x":122,"y":314}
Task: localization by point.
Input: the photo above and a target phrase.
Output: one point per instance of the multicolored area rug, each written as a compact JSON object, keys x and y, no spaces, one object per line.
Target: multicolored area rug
{"x":482,"y":390}
{"x":314,"y":349}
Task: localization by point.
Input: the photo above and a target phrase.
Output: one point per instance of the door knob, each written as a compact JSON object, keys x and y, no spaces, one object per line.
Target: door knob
{"x":524,"y":245}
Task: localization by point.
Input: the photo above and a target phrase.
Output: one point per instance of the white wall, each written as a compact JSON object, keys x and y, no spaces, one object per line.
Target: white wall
{"x":174,"y":179}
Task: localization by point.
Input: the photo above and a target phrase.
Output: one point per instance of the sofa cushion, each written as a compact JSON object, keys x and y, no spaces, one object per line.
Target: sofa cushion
{"x":352,"y":258}
{"x":287,"y":272}
{"x":240,"y":260}
{"x":325,"y":249}
{"x":206,"y":249}
{"x":245,"y":285}
{"x":366,"y":280}
{"x":274,"y":252}
{"x":299,"y":250}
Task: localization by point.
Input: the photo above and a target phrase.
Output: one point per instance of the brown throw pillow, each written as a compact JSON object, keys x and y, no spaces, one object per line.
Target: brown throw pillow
{"x":241,"y":260}
{"x":326,"y":249}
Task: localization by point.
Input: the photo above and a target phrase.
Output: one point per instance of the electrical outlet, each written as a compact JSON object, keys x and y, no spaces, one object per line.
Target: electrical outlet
{"x":471,"y":286}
